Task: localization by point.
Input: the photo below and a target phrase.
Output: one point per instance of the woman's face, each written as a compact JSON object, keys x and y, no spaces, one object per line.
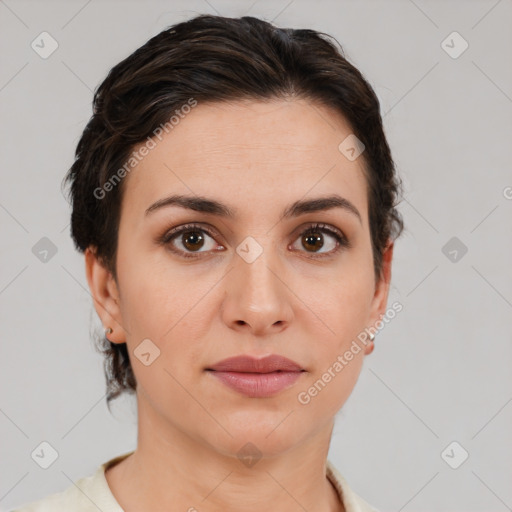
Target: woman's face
{"x":247,"y":284}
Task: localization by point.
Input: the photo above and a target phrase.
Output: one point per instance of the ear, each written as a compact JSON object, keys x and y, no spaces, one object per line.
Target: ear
{"x":105,"y":293}
{"x":380,"y":297}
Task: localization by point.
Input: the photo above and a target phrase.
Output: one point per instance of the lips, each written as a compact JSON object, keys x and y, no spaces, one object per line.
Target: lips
{"x":257,"y":378}
{"x":248,"y":364}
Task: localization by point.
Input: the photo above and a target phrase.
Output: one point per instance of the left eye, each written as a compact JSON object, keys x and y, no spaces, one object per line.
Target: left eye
{"x":313,"y":238}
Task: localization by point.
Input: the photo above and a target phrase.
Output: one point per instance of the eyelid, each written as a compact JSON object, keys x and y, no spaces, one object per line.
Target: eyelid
{"x":168,"y":235}
{"x":321,"y":226}
{"x":340,"y":237}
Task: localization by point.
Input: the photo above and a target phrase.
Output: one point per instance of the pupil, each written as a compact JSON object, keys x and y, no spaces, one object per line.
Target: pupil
{"x":311,"y":239}
{"x":193,"y":238}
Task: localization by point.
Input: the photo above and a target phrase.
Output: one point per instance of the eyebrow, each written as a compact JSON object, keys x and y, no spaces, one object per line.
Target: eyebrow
{"x":213,"y":207}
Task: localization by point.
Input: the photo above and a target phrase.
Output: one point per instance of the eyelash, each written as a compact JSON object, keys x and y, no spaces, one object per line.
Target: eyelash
{"x":169,"y":236}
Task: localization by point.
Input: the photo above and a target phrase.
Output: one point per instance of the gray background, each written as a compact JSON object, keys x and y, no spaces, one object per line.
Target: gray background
{"x":441,"y":369}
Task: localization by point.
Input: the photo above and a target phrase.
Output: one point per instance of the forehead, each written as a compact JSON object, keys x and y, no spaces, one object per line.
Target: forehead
{"x":250,"y":154}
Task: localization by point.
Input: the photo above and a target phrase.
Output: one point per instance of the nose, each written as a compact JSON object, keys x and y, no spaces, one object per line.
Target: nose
{"x":257,"y":298}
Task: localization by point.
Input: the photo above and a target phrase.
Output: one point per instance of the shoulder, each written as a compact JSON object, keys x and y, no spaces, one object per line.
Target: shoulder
{"x":73,"y":498}
{"x":88,"y":494}
{"x":352,"y":501}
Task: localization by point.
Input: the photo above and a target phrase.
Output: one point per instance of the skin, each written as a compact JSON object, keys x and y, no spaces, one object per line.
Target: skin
{"x":258,"y":158}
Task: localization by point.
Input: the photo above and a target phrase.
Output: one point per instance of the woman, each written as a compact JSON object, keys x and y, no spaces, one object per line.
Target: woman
{"x":234,"y":196}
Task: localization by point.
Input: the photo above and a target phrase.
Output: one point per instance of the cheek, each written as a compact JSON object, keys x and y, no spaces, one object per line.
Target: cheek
{"x":343,"y":308}
{"x":343,"y":304}
{"x":154,"y":295}
{"x":170,"y":308}
{"x":327,"y":391}
{"x":338,"y":363}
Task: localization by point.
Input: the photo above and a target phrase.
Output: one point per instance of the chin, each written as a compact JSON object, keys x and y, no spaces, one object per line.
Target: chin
{"x":259,"y":434}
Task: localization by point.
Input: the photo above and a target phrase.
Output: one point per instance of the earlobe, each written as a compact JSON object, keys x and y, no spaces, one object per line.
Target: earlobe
{"x":369,"y":348}
{"x":369,"y":344}
{"x":105,"y":295}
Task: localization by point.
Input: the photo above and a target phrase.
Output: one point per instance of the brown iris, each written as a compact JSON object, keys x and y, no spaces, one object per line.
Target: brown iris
{"x":311,"y":238}
{"x":193,"y":240}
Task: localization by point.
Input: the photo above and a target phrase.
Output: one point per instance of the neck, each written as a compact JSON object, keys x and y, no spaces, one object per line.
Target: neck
{"x":171,"y":470}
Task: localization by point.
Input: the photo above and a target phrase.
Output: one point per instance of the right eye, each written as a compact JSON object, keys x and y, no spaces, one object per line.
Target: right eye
{"x":191,"y":238}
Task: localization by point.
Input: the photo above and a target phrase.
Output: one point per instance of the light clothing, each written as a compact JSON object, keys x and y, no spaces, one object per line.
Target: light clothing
{"x":92,"y":493}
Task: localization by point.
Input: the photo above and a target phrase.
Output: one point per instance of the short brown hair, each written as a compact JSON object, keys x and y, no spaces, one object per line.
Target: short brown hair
{"x":215,"y":59}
